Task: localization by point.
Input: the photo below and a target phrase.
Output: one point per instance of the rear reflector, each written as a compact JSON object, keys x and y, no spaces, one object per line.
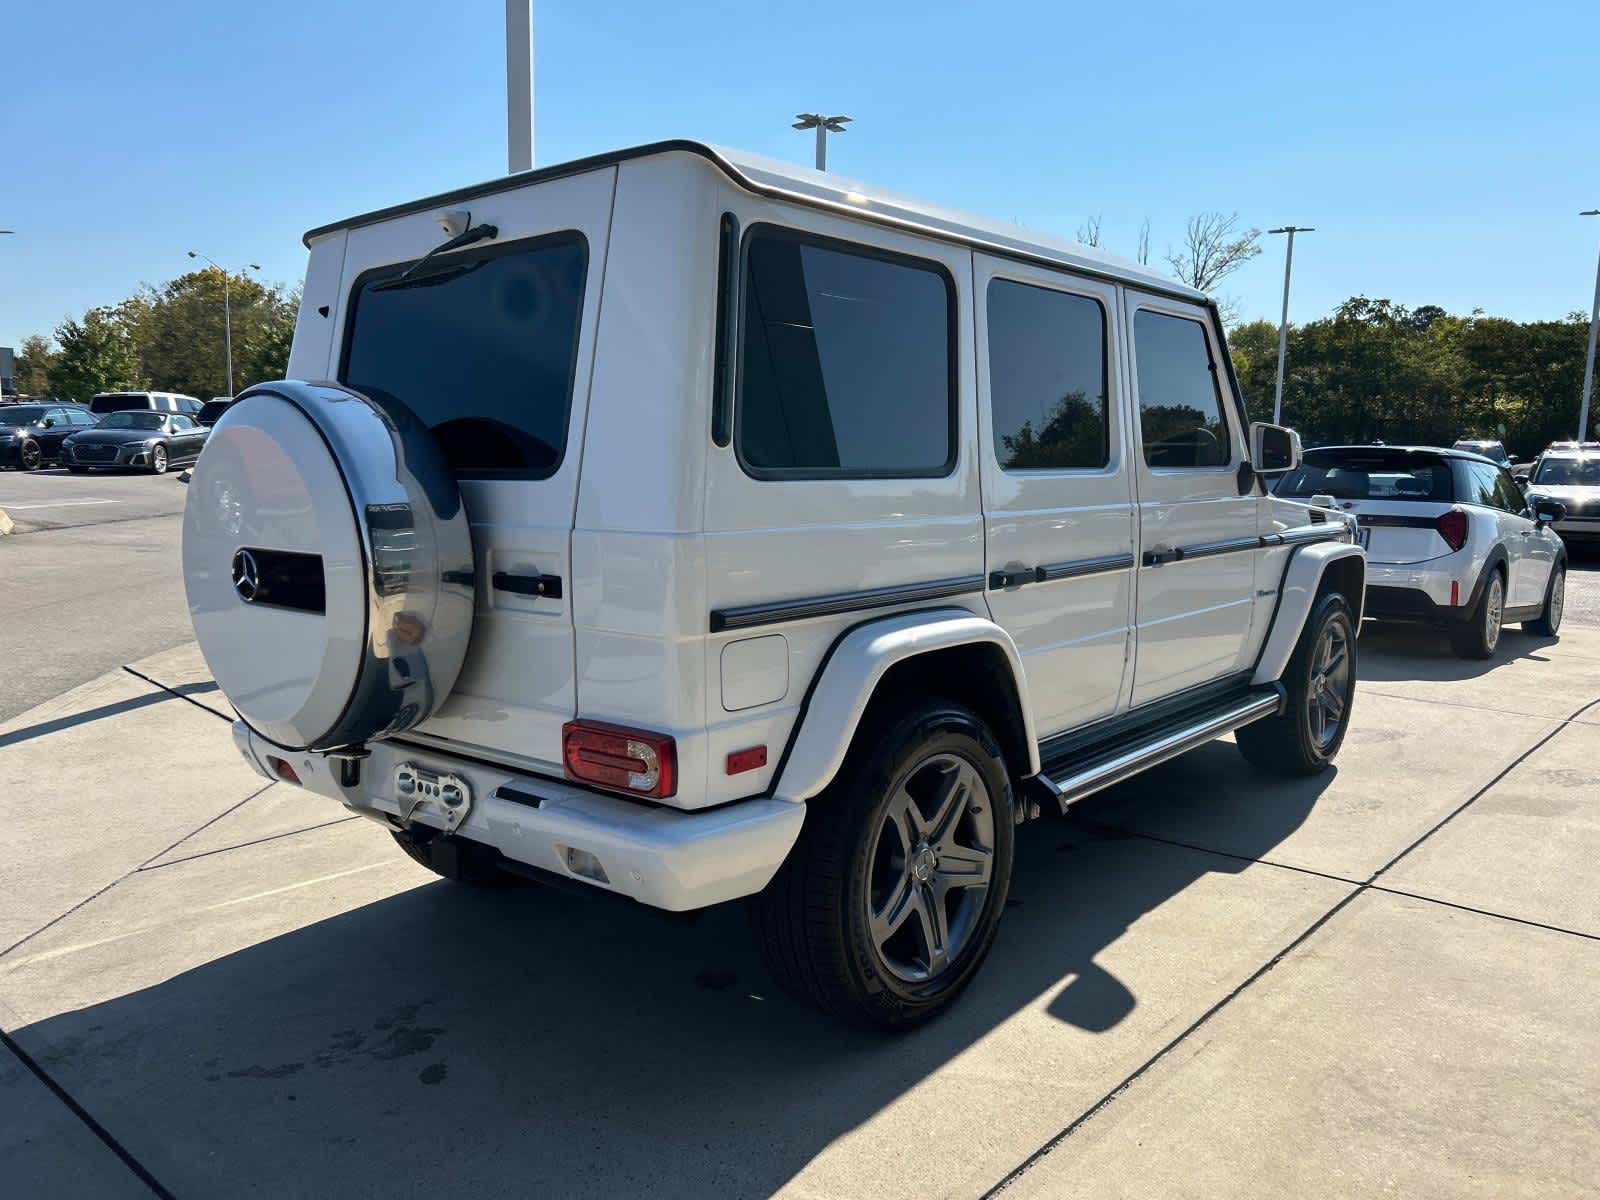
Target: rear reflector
{"x":1455,"y":592}
{"x":747,"y":760}
{"x":1452,"y":527}
{"x":626,"y":760}
{"x":282,"y":769}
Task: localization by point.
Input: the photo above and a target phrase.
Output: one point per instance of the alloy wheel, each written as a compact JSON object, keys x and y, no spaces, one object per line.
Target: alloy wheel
{"x":930,"y":868}
{"x":31,"y":456}
{"x":1558,"y":598}
{"x":1494,"y":605}
{"x":1329,"y":689}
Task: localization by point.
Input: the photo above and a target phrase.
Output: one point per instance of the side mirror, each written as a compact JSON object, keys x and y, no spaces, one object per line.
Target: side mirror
{"x":1546,"y":511}
{"x":1274,"y":449}
{"x":1522,"y":479}
{"x":49,"y":422}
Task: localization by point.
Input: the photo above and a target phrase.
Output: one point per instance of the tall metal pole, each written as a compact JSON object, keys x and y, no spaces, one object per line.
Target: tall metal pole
{"x":227,"y":328}
{"x":1283,"y":323}
{"x":1594,"y":328}
{"x":822,"y":145}
{"x":16,"y":385}
{"x":519,"y":86}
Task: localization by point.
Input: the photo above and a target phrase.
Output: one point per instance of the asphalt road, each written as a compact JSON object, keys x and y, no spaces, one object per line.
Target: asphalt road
{"x":89,"y":580}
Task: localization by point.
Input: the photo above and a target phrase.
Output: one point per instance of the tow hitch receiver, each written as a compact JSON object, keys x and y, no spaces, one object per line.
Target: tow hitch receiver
{"x":447,"y":796}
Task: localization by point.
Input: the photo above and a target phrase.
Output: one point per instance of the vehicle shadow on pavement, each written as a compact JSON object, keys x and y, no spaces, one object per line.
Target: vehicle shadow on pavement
{"x":531,"y":1042}
{"x":1392,"y":653}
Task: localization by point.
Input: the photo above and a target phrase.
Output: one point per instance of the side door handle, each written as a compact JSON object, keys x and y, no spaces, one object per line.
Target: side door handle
{"x":548,"y":586}
{"x":1000,"y":580}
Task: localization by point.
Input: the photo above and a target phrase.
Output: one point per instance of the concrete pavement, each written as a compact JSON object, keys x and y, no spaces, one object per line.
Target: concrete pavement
{"x":1208,"y":982}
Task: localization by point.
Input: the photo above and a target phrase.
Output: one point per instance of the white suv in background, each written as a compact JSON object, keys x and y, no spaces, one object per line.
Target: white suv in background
{"x":1451,"y":539}
{"x":1571,"y":478}
{"x":695,"y":527}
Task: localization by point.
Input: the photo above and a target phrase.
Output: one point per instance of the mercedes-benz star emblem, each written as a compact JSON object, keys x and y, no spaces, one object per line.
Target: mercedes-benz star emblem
{"x":246,"y":576}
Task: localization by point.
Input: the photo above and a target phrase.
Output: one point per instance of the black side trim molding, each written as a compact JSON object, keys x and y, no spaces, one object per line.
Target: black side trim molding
{"x":1076,"y":569}
{"x":1289,"y":537}
{"x":748,"y":616}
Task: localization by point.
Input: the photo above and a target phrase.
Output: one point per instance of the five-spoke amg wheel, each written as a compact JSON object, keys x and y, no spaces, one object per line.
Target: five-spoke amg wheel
{"x":1320,"y":683}
{"x":889,"y":902}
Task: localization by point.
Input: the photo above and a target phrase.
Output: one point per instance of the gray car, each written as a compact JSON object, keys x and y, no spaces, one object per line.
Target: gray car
{"x":150,"y":441}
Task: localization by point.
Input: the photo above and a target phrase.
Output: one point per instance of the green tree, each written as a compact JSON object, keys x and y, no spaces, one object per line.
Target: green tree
{"x":33,"y":366}
{"x":268,"y":356}
{"x":98,"y":354}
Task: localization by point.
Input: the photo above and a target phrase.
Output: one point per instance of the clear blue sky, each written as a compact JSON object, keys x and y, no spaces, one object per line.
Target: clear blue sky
{"x":1442,"y":149}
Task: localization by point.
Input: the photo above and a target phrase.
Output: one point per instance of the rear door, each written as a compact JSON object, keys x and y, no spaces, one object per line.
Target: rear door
{"x":1059,"y":520}
{"x":1198,"y":529}
{"x":491,"y":347}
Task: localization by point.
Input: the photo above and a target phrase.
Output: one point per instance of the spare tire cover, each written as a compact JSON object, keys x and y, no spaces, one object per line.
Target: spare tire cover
{"x":328,"y":564}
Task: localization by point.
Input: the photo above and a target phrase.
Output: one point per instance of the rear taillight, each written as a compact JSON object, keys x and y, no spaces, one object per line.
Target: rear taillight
{"x":614,"y":756}
{"x":282,"y":769}
{"x":1452,"y":527}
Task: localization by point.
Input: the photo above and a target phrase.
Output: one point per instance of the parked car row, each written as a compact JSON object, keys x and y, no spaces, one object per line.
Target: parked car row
{"x":149,"y":431}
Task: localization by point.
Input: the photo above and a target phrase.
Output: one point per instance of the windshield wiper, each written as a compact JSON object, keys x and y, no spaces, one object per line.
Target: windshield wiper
{"x":474,"y":233}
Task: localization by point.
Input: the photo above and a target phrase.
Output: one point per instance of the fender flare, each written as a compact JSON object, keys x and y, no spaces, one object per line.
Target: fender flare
{"x":851,"y":671}
{"x":1301,"y":580}
{"x":1497,"y":558}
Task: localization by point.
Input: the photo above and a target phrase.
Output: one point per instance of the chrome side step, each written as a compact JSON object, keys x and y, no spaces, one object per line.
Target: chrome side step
{"x":1098,"y":769}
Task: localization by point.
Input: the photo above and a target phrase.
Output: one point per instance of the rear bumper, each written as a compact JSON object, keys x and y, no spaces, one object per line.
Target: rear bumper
{"x":1388,"y":603}
{"x":663,"y":857}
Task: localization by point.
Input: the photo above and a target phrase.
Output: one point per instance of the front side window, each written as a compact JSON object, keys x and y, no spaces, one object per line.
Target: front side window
{"x":1047,"y":379}
{"x":1477,"y":483}
{"x":1180,"y":405}
{"x":480,"y":346}
{"x":846,"y":362}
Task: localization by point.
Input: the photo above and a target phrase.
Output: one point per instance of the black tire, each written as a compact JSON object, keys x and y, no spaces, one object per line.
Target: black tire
{"x":1548,"y":622}
{"x":1478,"y":635}
{"x":1295,"y":741}
{"x":158,"y":460}
{"x":814,"y":919}
{"x":453,"y":859}
{"x":29,"y":456}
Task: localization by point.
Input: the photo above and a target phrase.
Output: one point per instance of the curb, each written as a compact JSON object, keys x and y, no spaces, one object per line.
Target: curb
{"x":5,"y":523}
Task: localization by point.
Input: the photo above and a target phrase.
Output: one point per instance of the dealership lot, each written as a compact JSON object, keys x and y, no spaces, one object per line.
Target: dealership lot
{"x":1209,"y":982}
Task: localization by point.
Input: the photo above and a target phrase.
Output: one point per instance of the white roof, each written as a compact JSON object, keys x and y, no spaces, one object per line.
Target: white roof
{"x":868,"y":199}
{"x":773,"y":176}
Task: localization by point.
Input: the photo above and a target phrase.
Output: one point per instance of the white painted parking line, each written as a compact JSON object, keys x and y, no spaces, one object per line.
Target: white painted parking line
{"x":10,"y":507}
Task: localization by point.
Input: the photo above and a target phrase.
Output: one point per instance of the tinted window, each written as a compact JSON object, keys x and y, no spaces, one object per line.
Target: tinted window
{"x":1047,"y":378}
{"x":20,"y":414}
{"x":119,"y":402}
{"x":1476,"y":483}
{"x":1362,"y":475}
{"x":1180,"y":408}
{"x":80,"y":416}
{"x":181,"y":422}
{"x":132,"y":420}
{"x":1506,"y":492}
{"x":845,"y":364}
{"x":480,"y":346}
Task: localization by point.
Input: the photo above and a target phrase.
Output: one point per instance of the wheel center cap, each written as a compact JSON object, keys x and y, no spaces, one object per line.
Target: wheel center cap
{"x":922,"y":864}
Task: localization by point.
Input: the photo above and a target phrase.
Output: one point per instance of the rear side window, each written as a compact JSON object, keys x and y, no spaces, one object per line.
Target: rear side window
{"x":1369,"y":477}
{"x":1047,"y":378}
{"x":1478,"y":483}
{"x":846,"y":361}
{"x":1180,"y":406}
{"x":480,"y":346}
{"x":119,"y":402}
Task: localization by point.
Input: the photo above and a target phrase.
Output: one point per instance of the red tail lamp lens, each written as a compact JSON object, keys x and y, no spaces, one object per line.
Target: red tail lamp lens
{"x":1452,"y":527}
{"x":282,"y":769}
{"x":614,"y":756}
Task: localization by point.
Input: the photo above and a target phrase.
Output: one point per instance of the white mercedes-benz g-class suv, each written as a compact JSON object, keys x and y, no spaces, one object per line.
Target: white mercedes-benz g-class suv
{"x":700,"y":527}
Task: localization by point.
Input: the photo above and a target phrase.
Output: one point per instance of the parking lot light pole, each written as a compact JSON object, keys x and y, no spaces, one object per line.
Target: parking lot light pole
{"x":519,"y":86}
{"x":1594,"y":327}
{"x":824,"y":126}
{"x":2,"y":386}
{"x":1283,"y":323}
{"x":227,"y":312}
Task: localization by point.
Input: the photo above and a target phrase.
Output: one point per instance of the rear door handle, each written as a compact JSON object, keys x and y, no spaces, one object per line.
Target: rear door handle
{"x":548,"y":586}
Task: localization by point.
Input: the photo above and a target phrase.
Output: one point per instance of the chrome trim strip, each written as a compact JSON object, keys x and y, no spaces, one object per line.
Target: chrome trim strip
{"x":1209,"y":549}
{"x":1102,"y":775}
{"x":747,"y":616}
{"x":1331,"y":532}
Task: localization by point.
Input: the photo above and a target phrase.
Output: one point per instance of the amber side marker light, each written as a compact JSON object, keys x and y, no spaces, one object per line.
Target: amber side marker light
{"x":282,"y":769}
{"x":635,"y":761}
